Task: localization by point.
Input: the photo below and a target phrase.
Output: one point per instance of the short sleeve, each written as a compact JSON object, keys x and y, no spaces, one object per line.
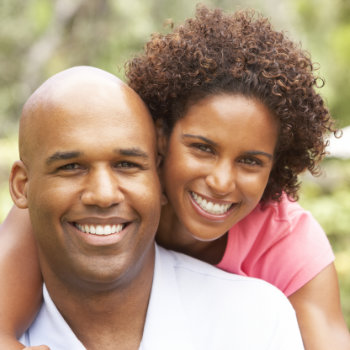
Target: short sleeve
{"x":280,"y":243}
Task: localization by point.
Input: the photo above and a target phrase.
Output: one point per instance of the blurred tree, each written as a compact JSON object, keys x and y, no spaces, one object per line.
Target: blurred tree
{"x":41,"y":37}
{"x":326,"y":29}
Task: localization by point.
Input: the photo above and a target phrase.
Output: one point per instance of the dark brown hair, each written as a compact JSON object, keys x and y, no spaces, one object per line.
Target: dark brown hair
{"x":240,"y":53}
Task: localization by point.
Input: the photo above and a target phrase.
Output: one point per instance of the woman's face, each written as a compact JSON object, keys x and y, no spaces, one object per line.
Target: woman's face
{"x":217,"y":162}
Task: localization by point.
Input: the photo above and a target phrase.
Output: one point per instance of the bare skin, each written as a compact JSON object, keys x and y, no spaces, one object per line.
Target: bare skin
{"x":317,"y":303}
{"x":21,"y":248}
{"x":76,"y":175}
{"x":319,"y":313}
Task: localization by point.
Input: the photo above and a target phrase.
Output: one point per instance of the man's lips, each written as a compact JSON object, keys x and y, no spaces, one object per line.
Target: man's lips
{"x":101,"y":226}
{"x":100,"y":230}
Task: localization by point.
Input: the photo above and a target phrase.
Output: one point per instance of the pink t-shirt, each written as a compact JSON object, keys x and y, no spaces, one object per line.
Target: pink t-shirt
{"x":280,"y":243}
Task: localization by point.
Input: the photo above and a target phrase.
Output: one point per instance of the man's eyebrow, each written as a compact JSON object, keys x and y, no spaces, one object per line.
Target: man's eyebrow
{"x":132,"y":152}
{"x":210,"y":142}
{"x":62,"y":156}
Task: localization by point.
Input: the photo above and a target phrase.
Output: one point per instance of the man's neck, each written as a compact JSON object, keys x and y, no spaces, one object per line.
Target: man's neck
{"x":111,"y":319}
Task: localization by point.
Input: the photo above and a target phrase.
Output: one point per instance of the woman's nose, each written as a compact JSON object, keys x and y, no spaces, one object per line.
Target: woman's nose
{"x":222,"y":179}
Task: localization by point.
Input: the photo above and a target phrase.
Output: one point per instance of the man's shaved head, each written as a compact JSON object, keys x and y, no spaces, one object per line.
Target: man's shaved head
{"x":88,"y":158}
{"x":76,"y":87}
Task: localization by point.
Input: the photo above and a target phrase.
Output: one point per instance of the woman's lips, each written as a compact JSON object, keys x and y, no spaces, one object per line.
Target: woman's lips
{"x":211,"y":209}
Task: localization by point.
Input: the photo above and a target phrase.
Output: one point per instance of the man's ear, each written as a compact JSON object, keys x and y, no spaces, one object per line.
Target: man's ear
{"x":19,"y":184}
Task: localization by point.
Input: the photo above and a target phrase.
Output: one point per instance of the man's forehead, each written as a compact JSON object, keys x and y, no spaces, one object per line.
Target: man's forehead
{"x":107,"y":125}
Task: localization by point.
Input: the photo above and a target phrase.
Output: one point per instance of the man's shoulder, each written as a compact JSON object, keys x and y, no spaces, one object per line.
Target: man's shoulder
{"x":196,"y":274}
{"x":218,"y":303}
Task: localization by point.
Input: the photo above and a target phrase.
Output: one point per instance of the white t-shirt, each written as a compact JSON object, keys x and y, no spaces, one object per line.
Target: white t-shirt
{"x":193,"y":305}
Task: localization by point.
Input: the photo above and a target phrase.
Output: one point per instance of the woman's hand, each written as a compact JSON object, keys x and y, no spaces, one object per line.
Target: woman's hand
{"x":20,"y":278}
{"x":11,"y":343}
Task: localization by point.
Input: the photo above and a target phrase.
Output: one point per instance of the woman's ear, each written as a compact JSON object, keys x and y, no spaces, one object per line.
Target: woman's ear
{"x":19,"y":184}
{"x":162,"y":139}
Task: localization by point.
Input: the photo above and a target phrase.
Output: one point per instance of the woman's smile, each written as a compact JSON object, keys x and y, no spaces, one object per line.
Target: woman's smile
{"x":211,"y":208}
{"x":217,"y":163}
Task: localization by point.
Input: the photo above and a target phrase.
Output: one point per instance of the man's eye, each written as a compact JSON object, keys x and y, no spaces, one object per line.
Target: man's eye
{"x":70,"y":166}
{"x":126,"y":165}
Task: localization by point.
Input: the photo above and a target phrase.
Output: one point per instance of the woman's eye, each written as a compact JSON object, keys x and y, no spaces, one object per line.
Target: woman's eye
{"x":203,"y":147}
{"x":251,"y":161}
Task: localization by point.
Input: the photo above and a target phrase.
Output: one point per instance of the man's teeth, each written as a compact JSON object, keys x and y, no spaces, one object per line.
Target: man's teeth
{"x":210,"y":207}
{"x":100,"y":230}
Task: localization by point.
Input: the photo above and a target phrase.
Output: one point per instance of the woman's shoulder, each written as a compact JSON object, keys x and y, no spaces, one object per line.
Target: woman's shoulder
{"x":279,"y":242}
{"x":276,"y":218}
{"x":283,"y":210}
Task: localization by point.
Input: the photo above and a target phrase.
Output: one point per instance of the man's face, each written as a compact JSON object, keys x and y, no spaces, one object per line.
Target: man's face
{"x":93,"y":191}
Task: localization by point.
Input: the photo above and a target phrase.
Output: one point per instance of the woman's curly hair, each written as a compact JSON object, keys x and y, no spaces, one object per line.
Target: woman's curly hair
{"x":239,"y":53}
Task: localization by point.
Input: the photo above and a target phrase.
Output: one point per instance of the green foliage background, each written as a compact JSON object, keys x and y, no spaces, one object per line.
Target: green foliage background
{"x":41,"y":37}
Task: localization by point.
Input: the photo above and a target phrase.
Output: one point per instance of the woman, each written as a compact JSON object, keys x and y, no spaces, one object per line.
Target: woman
{"x":238,"y":119}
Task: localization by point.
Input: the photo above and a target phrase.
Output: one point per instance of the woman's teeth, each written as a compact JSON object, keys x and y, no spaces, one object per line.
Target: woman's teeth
{"x":210,"y":207}
{"x":100,"y":230}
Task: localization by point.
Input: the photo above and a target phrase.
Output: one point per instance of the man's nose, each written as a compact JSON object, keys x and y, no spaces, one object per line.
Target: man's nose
{"x":102,"y":188}
{"x":222,"y":178}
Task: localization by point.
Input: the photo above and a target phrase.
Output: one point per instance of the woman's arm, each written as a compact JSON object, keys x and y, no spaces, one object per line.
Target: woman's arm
{"x":20,"y":278}
{"x":317,"y":305}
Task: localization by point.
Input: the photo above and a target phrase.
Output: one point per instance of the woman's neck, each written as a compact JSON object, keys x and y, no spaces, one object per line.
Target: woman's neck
{"x":172,"y":234}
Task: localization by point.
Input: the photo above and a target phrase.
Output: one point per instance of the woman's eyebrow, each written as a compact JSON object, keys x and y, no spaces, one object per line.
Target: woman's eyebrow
{"x":260,"y":153}
{"x":210,"y":142}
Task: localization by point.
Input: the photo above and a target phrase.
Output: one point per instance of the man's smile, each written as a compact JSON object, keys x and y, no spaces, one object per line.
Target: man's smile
{"x":100,"y":230}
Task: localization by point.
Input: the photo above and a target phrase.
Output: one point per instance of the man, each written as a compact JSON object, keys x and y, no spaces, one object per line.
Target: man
{"x":89,"y":178}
